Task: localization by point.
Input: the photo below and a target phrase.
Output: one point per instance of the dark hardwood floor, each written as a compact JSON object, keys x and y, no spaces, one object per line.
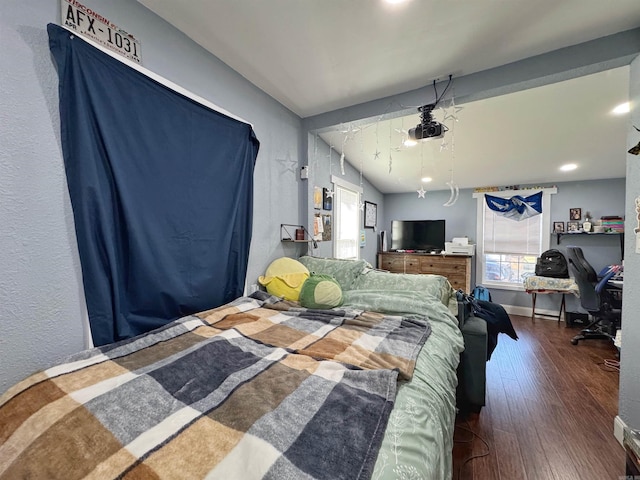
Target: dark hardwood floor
{"x":549,"y":413}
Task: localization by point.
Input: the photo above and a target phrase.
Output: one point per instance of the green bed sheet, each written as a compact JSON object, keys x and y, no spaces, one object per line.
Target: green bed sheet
{"x":418,"y":441}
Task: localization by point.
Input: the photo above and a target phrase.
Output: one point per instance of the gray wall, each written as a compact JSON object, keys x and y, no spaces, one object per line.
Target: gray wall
{"x":41,"y":295}
{"x":599,"y":197}
{"x":320,"y":173}
{"x":630,"y":359}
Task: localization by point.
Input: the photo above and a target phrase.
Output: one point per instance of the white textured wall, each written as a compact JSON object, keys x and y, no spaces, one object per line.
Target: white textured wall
{"x":629,"y":404}
{"x":41,"y":295}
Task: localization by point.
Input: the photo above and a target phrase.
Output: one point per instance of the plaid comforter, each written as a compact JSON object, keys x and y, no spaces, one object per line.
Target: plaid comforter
{"x":255,"y":389}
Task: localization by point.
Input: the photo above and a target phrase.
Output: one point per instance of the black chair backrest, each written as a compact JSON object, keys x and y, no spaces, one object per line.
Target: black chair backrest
{"x":586,"y":278}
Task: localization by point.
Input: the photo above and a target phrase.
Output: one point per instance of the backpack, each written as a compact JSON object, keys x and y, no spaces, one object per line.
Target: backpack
{"x":480,"y":292}
{"x":552,"y":263}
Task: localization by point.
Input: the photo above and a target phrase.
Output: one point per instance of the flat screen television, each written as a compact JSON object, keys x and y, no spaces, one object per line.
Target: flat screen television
{"x":423,"y":235}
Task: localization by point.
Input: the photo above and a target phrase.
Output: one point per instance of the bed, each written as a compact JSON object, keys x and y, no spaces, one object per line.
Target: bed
{"x":257,"y":388}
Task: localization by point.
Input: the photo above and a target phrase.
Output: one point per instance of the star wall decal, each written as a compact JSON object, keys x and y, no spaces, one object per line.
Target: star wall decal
{"x":421,"y":192}
{"x":288,"y":164}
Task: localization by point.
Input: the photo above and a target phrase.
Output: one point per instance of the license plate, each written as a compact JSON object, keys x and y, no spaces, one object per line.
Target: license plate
{"x":89,"y":23}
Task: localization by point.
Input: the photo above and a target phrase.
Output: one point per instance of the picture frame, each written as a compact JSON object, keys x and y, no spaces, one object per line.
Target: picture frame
{"x":558,"y":227}
{"x":573,"y":226}
{"x":370,"y":215}
{"x":317,"y":198}
{"x":326,"y":227}
{"x":575,"y":214}
{"x":327,"y":200}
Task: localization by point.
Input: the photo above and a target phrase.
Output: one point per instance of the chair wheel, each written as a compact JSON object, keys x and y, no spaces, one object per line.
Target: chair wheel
{"x":574,"y":341}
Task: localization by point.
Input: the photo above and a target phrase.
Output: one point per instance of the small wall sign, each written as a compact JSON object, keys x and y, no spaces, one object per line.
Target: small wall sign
{"x":89,"y":23}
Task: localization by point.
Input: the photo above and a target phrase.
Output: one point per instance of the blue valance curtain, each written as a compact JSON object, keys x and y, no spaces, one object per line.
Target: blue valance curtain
{"x":517,"y":207}
{"x":161,"y":189}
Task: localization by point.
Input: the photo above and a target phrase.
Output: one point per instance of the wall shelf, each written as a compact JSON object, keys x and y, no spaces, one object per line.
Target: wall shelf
{"x":288,"y":233}
{"x":620,"y":235}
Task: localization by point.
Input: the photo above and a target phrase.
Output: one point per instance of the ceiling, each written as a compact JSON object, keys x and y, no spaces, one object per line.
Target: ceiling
{"x":318,"y":56}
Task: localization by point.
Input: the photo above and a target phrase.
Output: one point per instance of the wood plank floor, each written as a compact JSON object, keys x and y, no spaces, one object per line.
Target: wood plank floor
{"x":549,"y":413}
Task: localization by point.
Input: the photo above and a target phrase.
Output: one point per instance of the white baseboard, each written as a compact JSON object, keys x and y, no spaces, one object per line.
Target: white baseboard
{"x":526,"y":312}
{"x":618,"y":428}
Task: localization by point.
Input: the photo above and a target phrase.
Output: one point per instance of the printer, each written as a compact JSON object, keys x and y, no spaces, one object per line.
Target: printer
{"x":459,"y":246}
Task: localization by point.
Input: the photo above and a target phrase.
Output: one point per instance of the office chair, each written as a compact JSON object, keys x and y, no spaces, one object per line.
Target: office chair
{"x":594,"y":298}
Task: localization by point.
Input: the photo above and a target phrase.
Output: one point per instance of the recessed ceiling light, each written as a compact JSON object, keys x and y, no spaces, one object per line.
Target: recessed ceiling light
{"x":409,"y":143}
{"x":393,"y":2}
{"x":621,"y":109}
{"x":427,"y":179}
{"x":568,"y":167}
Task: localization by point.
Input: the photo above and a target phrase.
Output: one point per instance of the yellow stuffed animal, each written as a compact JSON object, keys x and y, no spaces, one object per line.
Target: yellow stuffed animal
{"x":284,"y":278}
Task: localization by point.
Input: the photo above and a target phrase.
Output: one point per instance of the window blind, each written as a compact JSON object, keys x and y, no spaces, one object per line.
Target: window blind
{"x":506,"y":236}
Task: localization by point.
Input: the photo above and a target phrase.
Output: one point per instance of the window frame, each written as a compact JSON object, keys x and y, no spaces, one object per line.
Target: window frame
{"x":341,"y":183}
{"x":545,"y":241}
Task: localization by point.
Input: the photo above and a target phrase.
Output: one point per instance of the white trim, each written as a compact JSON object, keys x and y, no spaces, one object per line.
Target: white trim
{"x":526,"y":312}
{"x":546,"y":229}
{"x":344,"y":184}
{"x":167,"y":83}
{"x":619,"y":426}
{"x":511,"y":193}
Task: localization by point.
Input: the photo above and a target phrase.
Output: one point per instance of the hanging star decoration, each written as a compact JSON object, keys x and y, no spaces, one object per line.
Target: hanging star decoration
{"x":390,"y":163}
{"x":342,"y":163}
{"x":361,"y":206}
{"x":376,"y":155}
{"x":451,"y":111}
{"x":421,"y":192}
{"x":329,"y":193}
{"x":444,"y":145}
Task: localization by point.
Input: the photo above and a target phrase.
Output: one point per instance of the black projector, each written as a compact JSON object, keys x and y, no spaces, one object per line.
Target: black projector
{"x":427,"y":130}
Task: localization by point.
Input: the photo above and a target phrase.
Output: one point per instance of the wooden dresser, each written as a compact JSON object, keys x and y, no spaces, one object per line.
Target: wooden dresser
{"x":457,"y":268}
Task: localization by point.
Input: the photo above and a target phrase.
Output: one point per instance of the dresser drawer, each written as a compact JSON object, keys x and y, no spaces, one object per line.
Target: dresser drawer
{"x":392,"y":263}
{"x":400,"y":263}
{"x":457,"y":269}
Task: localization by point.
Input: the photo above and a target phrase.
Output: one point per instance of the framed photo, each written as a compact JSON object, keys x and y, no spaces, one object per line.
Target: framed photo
{"x":573,"y":226}
{"x":326,"y":227}
{"x":370,"y":215}
{"x":575,"y":214}
{"x":327,"y":200}
{"x":317,"y":198}
{"x":558,"y":227}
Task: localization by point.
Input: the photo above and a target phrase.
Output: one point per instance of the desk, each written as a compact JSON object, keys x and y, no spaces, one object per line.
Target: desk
{"x":535,"y":285}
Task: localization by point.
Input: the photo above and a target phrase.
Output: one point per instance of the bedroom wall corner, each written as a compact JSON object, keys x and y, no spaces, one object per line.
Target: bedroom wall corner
{"x":42,"y":307}
{"x":629,"y":395}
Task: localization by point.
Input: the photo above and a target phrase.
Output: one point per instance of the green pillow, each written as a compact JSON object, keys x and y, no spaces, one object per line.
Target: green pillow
{"x":321,"y":291}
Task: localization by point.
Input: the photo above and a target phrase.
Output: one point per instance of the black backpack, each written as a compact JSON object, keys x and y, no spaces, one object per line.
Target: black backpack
{"x":552,"y":263}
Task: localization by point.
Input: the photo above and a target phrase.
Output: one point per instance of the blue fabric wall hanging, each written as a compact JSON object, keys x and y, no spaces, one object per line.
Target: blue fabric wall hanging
{"x":517,"y":207}
{"x":161,"y":189}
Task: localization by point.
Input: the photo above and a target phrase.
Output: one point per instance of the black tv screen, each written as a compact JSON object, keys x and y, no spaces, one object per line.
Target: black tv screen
{"x":424,"y":235}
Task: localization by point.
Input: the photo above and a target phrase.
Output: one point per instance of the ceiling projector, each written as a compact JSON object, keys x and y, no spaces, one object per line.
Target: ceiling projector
{"x":428,"y":127}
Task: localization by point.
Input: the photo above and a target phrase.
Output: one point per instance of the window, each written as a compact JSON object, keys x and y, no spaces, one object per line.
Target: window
{"x":508,"y":249}
{"x":346,"y":243}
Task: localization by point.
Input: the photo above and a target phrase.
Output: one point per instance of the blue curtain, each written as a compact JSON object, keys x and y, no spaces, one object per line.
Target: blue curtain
{"x":161,"y":189}
{"x":517,"y":207}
